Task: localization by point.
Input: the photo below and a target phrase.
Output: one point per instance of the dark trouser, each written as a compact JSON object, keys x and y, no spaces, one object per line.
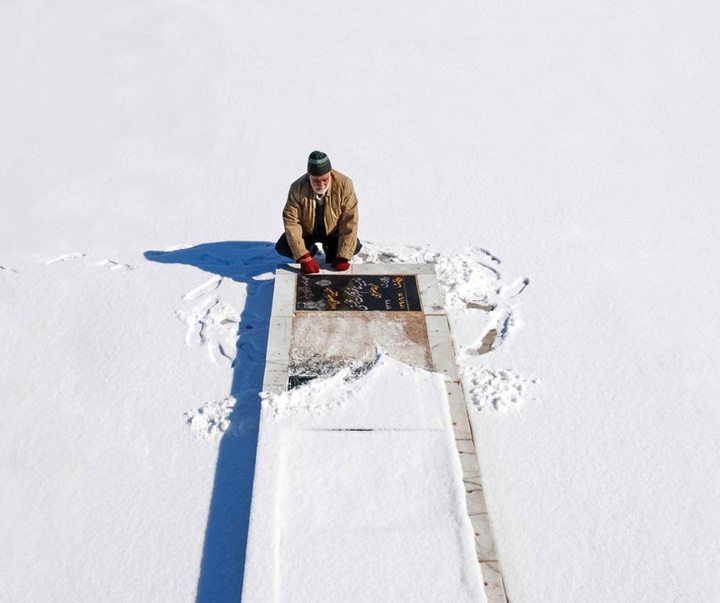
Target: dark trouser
{"x":329,"y":243}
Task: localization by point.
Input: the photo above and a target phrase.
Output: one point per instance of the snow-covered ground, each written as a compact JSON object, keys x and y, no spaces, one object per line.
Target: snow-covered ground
{"x":145,"y":155}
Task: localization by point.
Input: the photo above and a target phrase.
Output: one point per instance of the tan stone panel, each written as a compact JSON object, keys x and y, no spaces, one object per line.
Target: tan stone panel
{"x":326,"y":341}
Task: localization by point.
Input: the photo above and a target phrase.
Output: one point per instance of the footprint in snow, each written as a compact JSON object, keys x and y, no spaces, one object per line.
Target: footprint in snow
{"x":211,"y":323}
{"x":204,"y":289}
{"x":113,"y":265}
{"x":497,"y":390}
{"x":66,"y":258}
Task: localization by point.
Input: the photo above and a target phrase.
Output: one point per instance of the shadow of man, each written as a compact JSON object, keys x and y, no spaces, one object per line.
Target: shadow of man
{"x":249,"y":262}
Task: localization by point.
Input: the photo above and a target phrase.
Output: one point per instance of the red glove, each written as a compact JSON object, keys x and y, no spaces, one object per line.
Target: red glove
{"x":308,"y":265}
{"x":340,"y":264}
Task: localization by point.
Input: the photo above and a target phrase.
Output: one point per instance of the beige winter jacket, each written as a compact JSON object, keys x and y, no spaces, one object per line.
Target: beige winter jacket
{"x":341,"y":214}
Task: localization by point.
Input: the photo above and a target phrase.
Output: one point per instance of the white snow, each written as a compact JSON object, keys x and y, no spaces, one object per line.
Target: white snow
{"x":364,"y":499}
{"x":212,"y":418}
{"x":392,"y":395}
{"x":576,"y":143}
{"x":500,"y":390}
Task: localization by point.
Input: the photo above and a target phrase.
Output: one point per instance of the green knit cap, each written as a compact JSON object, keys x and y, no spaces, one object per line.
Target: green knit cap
{"x":318,"y":164}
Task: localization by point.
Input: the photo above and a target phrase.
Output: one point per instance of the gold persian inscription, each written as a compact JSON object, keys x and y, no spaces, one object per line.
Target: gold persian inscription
{"x":332,"y":297}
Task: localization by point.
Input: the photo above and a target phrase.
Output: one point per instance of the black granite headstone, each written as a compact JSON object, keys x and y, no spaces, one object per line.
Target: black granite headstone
{"x":335,"y":292}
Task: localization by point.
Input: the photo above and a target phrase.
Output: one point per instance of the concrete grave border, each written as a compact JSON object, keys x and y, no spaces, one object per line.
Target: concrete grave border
{"x":260,"y":563}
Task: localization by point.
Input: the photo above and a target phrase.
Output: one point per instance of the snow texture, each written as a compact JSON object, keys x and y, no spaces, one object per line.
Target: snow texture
{"x":402,"y":403}
{"x":212,"y":419}
{"x":501,"y":390}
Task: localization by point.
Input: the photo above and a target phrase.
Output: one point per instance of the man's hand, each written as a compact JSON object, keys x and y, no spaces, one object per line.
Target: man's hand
{"x":308,"y":265}
{"x":341,"y":264}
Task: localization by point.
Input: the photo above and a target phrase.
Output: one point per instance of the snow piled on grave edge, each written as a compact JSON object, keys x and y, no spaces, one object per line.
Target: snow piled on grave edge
{"x":483,"y":312}
{"x":388,"y":377}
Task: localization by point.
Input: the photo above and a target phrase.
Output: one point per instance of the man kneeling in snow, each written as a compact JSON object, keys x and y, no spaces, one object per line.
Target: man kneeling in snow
{"x":321,"y":208}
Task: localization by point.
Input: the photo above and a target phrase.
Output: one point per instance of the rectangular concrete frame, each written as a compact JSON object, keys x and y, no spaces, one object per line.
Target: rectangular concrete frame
{"x":260,"y":565}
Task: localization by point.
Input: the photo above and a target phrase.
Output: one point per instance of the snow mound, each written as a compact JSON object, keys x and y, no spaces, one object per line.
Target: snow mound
{"x":469,"y":277}
{"x":483,"y":314}
{"x":499,"y":390}
{"x":389,"y":379}
{"x":212,"y":419}
{"x":373,"y":253}
{"x":314,"y":398}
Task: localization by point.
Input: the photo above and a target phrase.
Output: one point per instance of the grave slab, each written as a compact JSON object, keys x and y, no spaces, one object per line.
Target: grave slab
{"x":320,"y":325}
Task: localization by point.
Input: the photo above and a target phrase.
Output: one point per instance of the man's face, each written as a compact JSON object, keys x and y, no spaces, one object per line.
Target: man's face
{"x":320,"y":183}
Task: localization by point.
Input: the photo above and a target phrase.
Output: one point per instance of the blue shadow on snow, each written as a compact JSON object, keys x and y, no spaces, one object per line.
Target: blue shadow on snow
{"x":223,"y":558}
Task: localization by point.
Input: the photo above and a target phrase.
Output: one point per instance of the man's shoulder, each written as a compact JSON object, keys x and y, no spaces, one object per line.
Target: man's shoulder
{"x":341,"y":179}
{"x":300,"y":183}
